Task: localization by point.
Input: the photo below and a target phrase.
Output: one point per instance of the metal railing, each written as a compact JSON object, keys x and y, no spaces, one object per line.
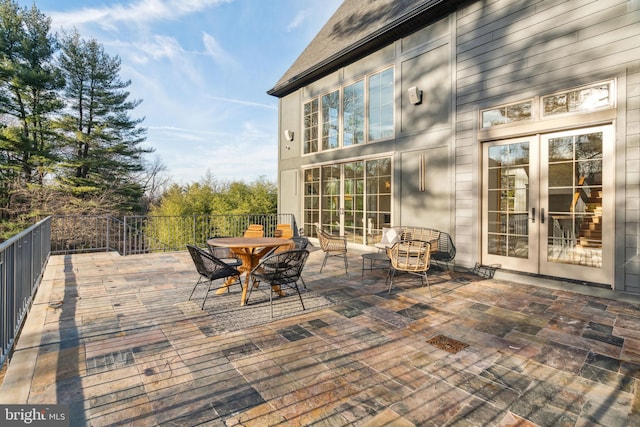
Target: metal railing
{"x":22,"y":262}
{"x":146,"y":234}
{"x":23,"y":257}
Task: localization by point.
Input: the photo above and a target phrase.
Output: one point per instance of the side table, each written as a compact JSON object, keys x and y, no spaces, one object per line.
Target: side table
{"x":373,"y":257}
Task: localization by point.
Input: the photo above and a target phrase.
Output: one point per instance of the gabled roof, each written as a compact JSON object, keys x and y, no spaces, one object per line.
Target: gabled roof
{"x":356,"y":29}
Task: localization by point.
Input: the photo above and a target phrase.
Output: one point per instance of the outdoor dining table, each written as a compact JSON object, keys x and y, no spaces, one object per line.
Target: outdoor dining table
{"x":250,"y":250}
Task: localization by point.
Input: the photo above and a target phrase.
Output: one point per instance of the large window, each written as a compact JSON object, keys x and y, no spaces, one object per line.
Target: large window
{"x":338,"y":118}
{"x":351,"y":199}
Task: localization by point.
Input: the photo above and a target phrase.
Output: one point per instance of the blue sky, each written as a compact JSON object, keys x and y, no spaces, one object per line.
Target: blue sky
{"x":202,"y":69}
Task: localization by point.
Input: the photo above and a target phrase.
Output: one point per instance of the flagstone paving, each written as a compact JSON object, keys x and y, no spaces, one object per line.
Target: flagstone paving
{"x":117,"y":340}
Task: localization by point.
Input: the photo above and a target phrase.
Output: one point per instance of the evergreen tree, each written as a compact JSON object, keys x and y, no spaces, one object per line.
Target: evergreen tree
{"x":29,"y":85}
{"x":102,"y":142}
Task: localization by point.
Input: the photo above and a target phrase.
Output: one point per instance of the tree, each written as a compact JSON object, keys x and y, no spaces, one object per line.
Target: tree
{"x":29,"y":85}
{"x":209,"y":197}
{"x":154,"y":180}
{"x":102,"y":142}
{"x":171,"y":220}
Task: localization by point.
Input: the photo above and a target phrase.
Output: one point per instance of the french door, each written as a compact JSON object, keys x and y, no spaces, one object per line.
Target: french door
{"x":354,"y":198}
{"x":342,"y":199}
{"x":548,"y":204}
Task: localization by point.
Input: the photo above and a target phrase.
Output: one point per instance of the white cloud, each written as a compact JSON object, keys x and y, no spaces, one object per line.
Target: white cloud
{"x":213,"y":49}
{"x":141,"y":12}
{"x":246,"y":103}
{"x":161,"y":47}
{"x":299,"y":19}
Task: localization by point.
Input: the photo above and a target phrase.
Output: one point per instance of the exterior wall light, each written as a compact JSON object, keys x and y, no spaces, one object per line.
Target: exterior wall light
{"x":415,"y":95}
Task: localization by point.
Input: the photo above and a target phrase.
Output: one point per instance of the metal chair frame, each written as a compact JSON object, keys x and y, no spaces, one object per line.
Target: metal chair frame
{"x":210,"y":269}
{"x":280,"y":269}
{"x":225,"y":254}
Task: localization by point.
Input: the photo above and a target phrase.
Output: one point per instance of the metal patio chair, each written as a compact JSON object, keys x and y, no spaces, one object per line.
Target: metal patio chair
{"x":210,"y":269}
{"x":225,"y":255}
{"x":280,"y":269}
{"x":446,"y":250}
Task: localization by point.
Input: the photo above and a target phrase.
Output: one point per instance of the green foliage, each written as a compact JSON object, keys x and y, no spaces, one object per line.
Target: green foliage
{"x":29,"y":85}
{"x":210,"y":198}
{"x":66,"y":121}
{"x":101,"y":146}
{"x":171,"y":221}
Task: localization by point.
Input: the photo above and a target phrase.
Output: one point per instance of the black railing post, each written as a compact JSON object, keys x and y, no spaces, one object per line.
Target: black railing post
{"x":108,"y":233}
{"x":124,"y":237}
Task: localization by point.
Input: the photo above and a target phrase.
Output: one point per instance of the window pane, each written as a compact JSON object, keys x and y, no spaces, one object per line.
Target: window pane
{"x":353,"y":114}
{"x":585,"y":99}
{"x":381,"y":105}
{"x":508,"y":114}
{"x":310,"y":143}
{"x":330,"y":112}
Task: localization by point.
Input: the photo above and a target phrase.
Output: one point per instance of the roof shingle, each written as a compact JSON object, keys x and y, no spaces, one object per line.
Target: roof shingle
{"x":356,"y":28}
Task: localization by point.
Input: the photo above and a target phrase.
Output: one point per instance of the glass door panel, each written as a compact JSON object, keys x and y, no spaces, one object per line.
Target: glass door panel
{"x":508,"y":240}
{"x":331,"y":199}
{"x":577,"y":198}
{"x":354,"y":201}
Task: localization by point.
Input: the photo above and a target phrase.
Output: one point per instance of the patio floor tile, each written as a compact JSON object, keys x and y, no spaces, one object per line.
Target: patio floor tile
{"x":117,"y":339}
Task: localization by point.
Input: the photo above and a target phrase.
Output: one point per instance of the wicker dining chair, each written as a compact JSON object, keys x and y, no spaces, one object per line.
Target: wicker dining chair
{"x":410,"y":256}
{"x":332,"y":246}
{"x":210,"y":269}
{"x":284,"y":230}
{"x":282,"y":269}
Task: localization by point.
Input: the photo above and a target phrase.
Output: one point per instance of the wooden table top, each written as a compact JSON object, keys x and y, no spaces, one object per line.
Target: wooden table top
{"x":248,"y":242}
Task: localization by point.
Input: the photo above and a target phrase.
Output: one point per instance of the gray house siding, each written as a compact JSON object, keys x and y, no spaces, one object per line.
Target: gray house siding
{"x":482,"y":55}
{"x":510,"y":51}
{"x":423,"y":59}
{"x":631,"y":201}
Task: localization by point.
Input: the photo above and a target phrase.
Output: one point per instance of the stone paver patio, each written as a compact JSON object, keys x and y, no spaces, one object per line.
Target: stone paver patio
{"x":116,"y":339}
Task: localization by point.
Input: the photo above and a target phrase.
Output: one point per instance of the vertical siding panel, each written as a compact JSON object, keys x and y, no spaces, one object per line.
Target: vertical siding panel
{"x":632,"y":185}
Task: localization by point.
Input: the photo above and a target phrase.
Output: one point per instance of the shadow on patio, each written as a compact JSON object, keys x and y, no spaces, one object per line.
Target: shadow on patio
{"x":116,"y":339}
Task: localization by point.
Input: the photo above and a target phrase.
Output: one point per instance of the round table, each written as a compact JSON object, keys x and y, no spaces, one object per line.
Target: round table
{"x":250,"y":250}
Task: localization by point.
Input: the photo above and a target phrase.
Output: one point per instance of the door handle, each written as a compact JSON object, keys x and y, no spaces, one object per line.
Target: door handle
{"x":533,"y":214}
{"x":542,"y":216}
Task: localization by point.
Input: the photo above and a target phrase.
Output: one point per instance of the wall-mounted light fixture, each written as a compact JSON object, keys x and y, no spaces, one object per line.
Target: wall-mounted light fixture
{"x":288,"y":135}
{"x":415,"y":95}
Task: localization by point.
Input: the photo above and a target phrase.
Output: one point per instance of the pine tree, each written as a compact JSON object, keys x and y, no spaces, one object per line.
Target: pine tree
{"x":29,"y":85}
{"x":102,"y":142}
